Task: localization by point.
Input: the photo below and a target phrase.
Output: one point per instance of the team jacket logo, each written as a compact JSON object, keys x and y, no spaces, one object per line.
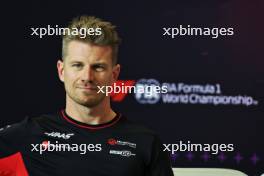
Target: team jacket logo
{"x":125,"y":153}
{"x":59,"y":135}
{"x":118,"y":142}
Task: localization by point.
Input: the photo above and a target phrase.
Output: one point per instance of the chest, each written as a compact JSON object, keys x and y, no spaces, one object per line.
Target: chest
{"x":71,"y":154}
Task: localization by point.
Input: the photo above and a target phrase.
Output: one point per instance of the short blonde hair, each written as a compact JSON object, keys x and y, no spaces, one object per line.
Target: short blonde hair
{"x":108,"y":36}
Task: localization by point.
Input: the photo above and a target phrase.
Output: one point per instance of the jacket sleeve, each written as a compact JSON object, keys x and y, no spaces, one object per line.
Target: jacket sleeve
{"x":11,"y":137}
{"x":11,"y":141}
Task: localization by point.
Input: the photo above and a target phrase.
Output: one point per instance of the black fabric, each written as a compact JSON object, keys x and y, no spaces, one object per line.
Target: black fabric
{"x":118,"y":148}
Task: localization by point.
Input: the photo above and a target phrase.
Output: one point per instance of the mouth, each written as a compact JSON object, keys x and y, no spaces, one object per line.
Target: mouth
{"x":88,"y":88}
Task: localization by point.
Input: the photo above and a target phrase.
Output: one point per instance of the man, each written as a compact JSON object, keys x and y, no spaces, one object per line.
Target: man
{"x":87,"y":137}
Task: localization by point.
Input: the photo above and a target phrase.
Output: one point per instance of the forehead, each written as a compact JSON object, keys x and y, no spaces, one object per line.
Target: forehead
{"x":88,"y":52}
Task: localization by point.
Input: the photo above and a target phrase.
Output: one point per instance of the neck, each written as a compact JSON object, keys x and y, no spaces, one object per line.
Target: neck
{"x":102,"y":113}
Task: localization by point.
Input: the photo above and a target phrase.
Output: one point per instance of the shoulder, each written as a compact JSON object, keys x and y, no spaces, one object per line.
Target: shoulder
{"x":16,"y":128}
{"x":45,"y":118}
{"x":28,"y":123}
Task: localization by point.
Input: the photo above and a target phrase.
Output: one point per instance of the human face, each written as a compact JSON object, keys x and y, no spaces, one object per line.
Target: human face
{"x":85,"y":67}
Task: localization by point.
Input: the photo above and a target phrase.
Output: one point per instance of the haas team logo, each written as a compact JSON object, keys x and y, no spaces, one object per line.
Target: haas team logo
{"x":60,"y":135}
{"x":112,"y":141}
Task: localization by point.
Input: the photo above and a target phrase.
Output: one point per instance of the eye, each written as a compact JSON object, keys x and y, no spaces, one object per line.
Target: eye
{"x":77,"y":65}
{"x":99,"y":68}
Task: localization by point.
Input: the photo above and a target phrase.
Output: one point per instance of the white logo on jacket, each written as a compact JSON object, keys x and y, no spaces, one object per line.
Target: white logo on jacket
{"x":59,"y":135}
{"x":125,"y":153}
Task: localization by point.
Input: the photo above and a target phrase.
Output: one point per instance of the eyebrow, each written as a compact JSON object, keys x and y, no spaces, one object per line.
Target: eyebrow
{"x":74,"y":61}
{"x":95,"y":63}
{"x":99,"y":63}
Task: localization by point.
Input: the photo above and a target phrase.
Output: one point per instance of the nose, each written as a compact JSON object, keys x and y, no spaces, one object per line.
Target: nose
{"x":87,"y":75}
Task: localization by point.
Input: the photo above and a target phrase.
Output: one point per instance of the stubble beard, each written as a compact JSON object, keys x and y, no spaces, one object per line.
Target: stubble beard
{"x":85,"y":98}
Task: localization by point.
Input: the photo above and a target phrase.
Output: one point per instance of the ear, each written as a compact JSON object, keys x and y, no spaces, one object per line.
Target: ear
{"x":60,"y":69}
{"x":116,"y":71}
